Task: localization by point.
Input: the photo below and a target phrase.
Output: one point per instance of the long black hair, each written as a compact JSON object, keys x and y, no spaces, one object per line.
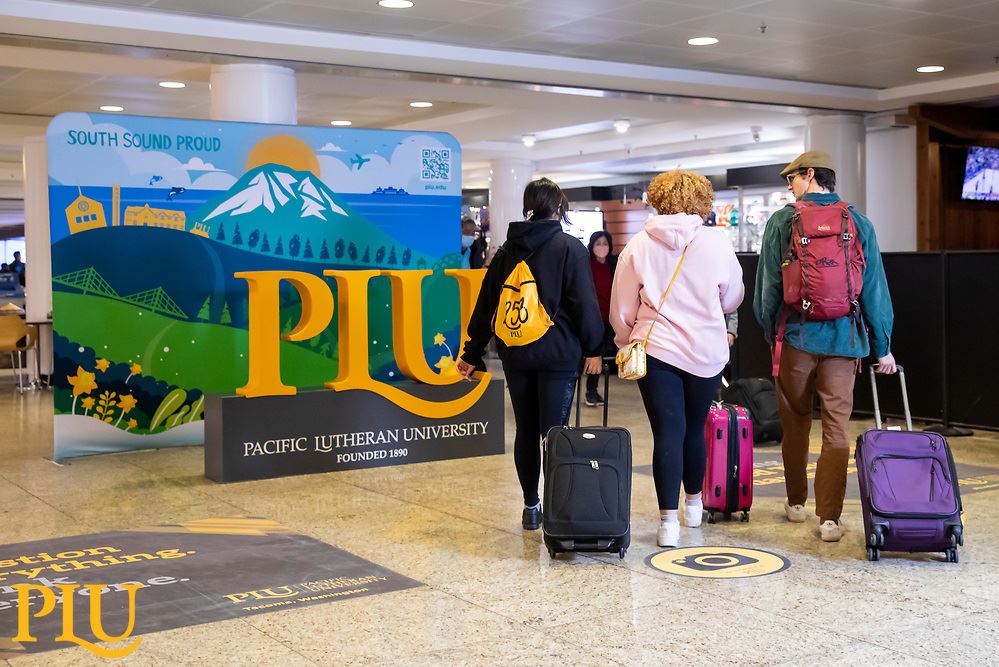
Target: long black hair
{"x":596,"y":236}
{"x":544,"y":200}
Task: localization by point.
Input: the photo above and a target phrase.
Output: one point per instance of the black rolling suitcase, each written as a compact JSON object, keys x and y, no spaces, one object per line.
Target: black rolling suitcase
{"x":587,"y":499}
{"x":759,"y":397}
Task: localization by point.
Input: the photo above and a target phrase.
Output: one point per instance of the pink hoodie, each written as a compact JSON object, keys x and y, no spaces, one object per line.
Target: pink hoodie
{"x":690,"y":333}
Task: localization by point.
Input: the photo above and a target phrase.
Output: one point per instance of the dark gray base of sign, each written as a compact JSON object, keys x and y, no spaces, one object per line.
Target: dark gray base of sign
{"x":326,"y":431}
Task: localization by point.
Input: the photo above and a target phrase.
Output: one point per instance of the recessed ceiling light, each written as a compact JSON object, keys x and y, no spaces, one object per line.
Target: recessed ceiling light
{"x":528,"y":140}
{"x":395,"y":4}
{"x":421,"y":105}
{"x":930,"y":69}
{"x":172,"y":84}
{"x":340,"y":123}
{"x":112,"y":107}
{"x":702,"y":41}
{"x":622,"y":125}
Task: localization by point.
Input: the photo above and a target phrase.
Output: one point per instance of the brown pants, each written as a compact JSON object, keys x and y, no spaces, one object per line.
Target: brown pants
{"x":801,"y":376}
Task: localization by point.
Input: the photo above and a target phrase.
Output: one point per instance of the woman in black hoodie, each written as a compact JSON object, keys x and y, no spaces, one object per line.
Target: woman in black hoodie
{"x":541,"y":375}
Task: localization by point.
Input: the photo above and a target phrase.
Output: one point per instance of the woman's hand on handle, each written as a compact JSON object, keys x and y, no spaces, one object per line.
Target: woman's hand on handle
{"x":886,"y":365}
{"x":593,"y":365}
{"x":465,"y":369}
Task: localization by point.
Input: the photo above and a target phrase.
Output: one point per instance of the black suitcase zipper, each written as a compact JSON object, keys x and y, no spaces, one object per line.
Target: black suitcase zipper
{"x":732,"y":498}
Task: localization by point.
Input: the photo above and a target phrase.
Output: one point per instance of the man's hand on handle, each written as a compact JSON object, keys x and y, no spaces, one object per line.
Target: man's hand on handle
{"x":886,"y":365}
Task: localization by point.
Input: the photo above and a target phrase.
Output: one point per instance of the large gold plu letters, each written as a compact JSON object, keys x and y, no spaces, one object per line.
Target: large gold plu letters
{"x":352,"y":290}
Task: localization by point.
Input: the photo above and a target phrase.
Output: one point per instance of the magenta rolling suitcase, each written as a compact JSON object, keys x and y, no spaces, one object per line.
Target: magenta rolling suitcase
{"x":909,"y":490}
{"x":728,"y":477}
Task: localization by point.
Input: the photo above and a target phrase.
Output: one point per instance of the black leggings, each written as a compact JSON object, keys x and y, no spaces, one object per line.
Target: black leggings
{"x":677,"y":404}
{"x":541,"y":400}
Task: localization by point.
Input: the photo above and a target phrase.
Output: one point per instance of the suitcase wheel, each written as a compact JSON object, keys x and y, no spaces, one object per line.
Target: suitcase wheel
{"x":711,"y":517}
{"x":873,"y":554}
{"x":621,"y":553}
{"x":728,"y":516}
{"x":552,"y":553}
{"x":877,"y":537}
{"x":745,"y":516}
{"x":957,"y":536}
{"x":952,"y":555}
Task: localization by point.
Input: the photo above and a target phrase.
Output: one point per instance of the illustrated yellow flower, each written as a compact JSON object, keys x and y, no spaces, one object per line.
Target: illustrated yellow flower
{"x":126,"y":403}
{"x":83,"y":382}
{"x":134,"y":369}
{"x":132,"y":424}
{"x":447,"y":367}
{"x":439,"y":339}
{"x":87,"y":403}
{"x":102,"y":365}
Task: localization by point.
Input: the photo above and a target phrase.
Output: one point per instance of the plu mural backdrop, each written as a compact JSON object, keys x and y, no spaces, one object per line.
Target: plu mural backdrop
{"x":150,"y":219}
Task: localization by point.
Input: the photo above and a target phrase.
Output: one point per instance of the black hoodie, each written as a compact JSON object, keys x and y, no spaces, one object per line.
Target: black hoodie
{"x":561,"y":267}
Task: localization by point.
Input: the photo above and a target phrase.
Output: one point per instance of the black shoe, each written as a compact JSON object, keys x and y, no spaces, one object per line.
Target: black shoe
{"x":532,"y":518}
{"x":593,"y":398}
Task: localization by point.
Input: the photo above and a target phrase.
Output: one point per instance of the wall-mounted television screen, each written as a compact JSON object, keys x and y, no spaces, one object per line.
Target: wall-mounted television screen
{"x":981,"y":174}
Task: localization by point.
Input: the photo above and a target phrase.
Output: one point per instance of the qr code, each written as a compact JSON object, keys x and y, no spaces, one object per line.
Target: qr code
{"x":436,"y":164}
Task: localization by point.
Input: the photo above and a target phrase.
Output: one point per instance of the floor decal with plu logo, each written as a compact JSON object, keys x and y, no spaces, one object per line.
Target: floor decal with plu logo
{"x":118,"y":586}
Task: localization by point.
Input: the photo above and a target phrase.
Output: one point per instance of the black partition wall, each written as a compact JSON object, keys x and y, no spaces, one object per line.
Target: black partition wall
{"x":946,"y":335}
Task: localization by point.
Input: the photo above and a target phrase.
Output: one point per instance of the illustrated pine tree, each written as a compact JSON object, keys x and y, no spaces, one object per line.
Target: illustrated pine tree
{"x":237,"y":238}
{"x":264,"y":245}
{"x":407,"y":256}
{"x":367,"y":255}
{"x":226,"y":317}
{"x":392,"y":259}
{"x":294,"y":246}
{"x":221,"y":235}
{"x":308,"y":249}
{"x":279,"y":248}
{"x":352,"y":252}
{"x":380,"y":255}
{"x":324,"y":252}
{"x":206,"y":310}
{"x":421,"y":263}
{"x":254,"y":238}
{"x":338,"y":249}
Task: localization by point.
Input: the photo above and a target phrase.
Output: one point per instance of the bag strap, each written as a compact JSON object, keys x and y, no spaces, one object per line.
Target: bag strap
{"x":669,"y":287}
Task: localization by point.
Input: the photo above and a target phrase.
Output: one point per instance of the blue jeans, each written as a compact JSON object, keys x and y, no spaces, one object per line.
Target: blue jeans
{"x":677,"y":404}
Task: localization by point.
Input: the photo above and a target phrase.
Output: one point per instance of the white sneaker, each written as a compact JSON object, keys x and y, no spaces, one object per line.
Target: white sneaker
{"x":830,"y":531}
{"x":693,"y":513}
{"x":668,"y":534}
{"x":795,"y":513}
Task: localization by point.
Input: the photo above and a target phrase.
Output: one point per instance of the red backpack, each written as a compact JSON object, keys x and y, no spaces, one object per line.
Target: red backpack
{"x":823,"y":268}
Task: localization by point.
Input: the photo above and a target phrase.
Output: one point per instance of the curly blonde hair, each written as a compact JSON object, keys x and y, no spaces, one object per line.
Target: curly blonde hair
{"x":677,"y":191}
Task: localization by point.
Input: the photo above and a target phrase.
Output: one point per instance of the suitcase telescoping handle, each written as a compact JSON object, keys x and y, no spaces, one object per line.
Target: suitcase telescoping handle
{"x":905,"y":398}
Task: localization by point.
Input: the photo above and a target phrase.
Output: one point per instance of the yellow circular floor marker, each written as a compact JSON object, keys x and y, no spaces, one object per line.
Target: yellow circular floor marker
{"x":718,"y":562}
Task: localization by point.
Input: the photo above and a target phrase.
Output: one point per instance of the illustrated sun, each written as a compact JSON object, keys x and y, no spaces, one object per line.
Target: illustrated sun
{"x":285,"y":150}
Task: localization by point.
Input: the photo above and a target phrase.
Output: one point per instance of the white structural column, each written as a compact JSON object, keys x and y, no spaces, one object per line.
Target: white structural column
{"x":843,"y":137}
{"x":37,"y":247}
{"x":506,"y":197}
{"x":254,"y":93}
{"x":891,"y":187}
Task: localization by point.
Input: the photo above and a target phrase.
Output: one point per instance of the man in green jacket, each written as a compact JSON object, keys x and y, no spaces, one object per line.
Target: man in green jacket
{"x":820,"y":356}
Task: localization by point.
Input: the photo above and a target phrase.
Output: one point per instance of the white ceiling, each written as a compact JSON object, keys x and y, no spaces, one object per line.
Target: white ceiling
{"x":870,"y":48}
{"x":874,"y":43}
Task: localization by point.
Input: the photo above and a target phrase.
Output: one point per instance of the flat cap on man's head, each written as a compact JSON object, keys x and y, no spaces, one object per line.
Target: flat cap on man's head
{"x":813,"y":159}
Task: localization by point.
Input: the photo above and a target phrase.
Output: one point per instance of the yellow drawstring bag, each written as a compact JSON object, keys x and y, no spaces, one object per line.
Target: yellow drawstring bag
{"x":520,"y":318}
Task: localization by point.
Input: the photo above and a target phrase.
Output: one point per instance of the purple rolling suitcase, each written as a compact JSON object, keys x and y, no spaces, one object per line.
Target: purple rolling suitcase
{"x":908,"y":488}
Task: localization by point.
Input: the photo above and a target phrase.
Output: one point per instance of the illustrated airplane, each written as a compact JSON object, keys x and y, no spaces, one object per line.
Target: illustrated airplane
{"x":176,"y":191}
{"x":155,"y":179}
{"x":359,"y":161}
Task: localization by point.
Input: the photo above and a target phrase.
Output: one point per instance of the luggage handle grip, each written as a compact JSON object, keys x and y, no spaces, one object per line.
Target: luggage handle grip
{"x":905,"y":398}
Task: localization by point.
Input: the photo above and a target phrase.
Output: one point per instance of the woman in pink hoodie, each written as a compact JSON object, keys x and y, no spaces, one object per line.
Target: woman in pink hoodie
{"x":688,"y":347}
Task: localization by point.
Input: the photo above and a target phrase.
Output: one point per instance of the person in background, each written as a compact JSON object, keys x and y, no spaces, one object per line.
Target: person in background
{"x":17,"y":266}
{"x":4,"y":268}
{"x":687,"y":347}
{"x":820,"y":357}
{"x":468,"y":235}
{"x":541,"y":376}
{"x":603,"y":262}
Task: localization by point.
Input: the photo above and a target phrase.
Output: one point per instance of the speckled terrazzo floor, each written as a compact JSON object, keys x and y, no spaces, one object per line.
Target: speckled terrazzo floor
{"x":492,"y":596}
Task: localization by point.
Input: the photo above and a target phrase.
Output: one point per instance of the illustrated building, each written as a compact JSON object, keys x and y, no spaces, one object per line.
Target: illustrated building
{"x":85,"y":213}
{"x":145,"y":216}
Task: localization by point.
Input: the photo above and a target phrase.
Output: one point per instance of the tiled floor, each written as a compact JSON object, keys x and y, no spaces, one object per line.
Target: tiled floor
{"x":492,"y":596}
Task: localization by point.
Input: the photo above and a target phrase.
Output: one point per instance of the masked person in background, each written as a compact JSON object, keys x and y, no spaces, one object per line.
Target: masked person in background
{"x":603,"y":261}
{"x":473,"y":247}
